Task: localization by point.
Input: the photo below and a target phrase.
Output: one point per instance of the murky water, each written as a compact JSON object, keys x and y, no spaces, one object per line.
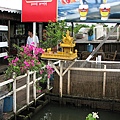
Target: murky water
{"x":57,"y":112}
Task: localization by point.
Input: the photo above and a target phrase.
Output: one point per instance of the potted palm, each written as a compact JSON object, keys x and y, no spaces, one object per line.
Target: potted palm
{"x":90,"y":33}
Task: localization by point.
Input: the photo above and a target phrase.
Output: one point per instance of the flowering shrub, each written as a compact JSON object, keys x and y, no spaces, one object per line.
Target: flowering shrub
{"x":28,"y":58}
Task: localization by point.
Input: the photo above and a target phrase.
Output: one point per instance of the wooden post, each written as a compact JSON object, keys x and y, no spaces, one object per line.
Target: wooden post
{"x":34,"y":86}
{"x":14,"y":93}
{"x":68,"y":87}
{"x":28,"y":88}
{"x":9,"y":36}
{"x":61,"y":70}
{"x":40,"y":31}
{"x":72,"y":29}
{"x":104,"y":81}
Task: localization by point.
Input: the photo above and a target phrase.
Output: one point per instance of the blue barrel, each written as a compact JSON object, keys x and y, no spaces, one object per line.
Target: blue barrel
{"x":8,"y":104}
{"x":89,"y":48}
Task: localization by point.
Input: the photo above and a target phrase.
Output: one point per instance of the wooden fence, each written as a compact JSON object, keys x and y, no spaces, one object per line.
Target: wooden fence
{"x":95,"y":80}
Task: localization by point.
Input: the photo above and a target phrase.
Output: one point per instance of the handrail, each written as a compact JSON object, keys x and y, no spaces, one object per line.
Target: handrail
{"x":15,"y":90}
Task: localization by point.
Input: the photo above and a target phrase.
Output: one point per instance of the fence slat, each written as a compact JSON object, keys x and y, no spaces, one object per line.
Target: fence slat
{"x":34,"y":86}
{"x":61,"y":77}
{"x":104,"y":81}
{"x":14,"y":93}
{"x":68,"y":86}
{"x":28,"y":88}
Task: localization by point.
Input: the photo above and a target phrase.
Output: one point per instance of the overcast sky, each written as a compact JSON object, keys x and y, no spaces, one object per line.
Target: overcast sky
{"x":13,"y":4}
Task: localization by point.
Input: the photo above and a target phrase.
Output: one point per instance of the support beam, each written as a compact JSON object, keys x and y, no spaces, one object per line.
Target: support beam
{"x":68,"y":68}
{"x":55,"y":67}
{"x":40,"y":31}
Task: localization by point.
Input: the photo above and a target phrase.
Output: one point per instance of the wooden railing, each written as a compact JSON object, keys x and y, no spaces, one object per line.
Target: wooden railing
{"x":27,"y":86}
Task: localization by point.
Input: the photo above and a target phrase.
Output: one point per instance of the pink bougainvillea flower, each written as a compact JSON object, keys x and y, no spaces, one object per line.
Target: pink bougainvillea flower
{"x":48,"y":76}
{"x":16,"y":59}
{"x":5,"y":57}
{"x":32,"y":62}
{"x":33,"y":44}
{"x":41,"y":72}
{"x":26,"y":63}
{"x":14,"y":64}
{"x":38,"y":63}
{"x":12,"y":61}
{"x":49,"y":68}
{"x":31,"y":47}
{"x":25,"y":67}
{"x":30,"y":55}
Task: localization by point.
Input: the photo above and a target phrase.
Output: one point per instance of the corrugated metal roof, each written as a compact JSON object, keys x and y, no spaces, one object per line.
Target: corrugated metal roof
{"x":12,"y":6}
{"x":10,"y":10}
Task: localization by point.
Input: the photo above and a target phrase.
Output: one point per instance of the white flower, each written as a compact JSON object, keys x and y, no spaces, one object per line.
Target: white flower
{"x":95,"y":115}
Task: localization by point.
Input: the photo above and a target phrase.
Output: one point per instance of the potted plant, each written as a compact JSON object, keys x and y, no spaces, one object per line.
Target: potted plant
{"x":90,"y":33}
{"x":77,"y":32}
{"x":52,"y":34}
{"x":25,"y":60}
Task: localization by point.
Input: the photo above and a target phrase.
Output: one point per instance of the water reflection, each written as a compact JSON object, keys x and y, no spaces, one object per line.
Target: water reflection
{"x":47,"y":116}
{"x":57,"y":112}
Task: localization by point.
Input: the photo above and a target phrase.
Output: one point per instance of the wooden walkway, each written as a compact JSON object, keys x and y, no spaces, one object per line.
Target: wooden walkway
{"x":3,"y":68}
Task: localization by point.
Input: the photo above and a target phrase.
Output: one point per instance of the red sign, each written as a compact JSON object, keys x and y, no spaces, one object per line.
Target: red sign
{"x":39,"y":10}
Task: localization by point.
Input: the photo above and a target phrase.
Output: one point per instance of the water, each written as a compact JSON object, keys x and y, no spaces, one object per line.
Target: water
{"x":57,"y":112}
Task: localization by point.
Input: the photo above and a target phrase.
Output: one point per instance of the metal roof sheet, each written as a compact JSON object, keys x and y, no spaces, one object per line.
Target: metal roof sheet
{"x":12,"y":6}
{"x":9,"y":10}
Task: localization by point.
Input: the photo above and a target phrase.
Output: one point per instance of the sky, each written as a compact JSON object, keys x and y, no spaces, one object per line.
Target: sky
{"x":13,"y":4}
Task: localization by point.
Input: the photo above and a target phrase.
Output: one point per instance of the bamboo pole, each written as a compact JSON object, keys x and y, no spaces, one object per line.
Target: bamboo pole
{"x":104,"y":81}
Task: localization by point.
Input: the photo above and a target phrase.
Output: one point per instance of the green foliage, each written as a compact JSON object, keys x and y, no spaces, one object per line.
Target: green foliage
{"x":78,"y":27}
{"x":90,"y":117}
{"x":53,"y":34}
{"x":90,"y":31}
{"x":25,"y":60}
